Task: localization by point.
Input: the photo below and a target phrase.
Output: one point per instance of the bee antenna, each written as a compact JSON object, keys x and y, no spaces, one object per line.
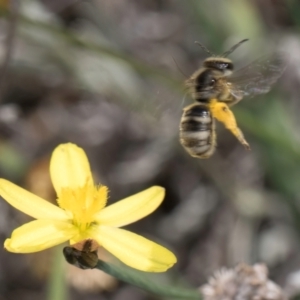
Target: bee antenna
{"x":234,"y":47}
{"x":203,"y":48}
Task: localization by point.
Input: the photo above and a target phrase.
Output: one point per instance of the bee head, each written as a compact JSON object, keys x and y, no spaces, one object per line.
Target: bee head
{"x":221,"y":64}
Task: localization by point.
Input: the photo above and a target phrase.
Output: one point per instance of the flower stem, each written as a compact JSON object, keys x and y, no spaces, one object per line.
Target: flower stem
{"x":57,"y":288}
{"x":138,"y":280}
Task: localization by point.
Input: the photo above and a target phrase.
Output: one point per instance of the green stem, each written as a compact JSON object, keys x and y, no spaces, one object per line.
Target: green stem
{"x":137,"y":280}
{"x":57,"y":285}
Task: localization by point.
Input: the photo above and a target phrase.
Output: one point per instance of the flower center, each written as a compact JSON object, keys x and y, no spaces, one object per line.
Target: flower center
{"x":83,"y":203}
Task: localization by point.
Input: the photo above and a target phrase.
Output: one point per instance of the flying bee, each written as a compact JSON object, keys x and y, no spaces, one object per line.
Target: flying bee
{"x":215,"y":87}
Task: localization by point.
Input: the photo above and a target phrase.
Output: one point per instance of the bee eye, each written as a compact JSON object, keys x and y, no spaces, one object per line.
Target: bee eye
{"x":212,"y":82}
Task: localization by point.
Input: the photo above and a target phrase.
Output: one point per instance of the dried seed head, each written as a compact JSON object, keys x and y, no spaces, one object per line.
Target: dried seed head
{"x":244,"y":282}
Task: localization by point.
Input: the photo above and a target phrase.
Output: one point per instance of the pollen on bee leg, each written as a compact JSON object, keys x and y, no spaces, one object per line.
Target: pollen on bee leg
{"x":222,"y":113}
{"x":241,"y":138}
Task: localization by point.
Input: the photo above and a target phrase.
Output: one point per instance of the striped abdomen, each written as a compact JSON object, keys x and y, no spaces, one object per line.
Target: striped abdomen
{"x":197,"y":132}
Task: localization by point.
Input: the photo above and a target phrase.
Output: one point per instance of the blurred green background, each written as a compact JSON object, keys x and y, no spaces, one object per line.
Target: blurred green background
{"x":109,"y":76}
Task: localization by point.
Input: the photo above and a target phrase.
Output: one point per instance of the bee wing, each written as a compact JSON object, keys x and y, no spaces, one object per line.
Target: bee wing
{"x":257,"y":77}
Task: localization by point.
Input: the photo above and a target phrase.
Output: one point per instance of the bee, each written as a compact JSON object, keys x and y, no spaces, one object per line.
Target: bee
{"x":83,"y":254}
{"x":215,"y":87}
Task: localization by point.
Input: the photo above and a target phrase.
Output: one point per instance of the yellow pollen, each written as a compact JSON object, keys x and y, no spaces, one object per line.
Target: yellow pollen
{"x":83,"y":202}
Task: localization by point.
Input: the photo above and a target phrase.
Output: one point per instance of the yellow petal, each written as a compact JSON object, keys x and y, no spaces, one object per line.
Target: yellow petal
{"x":29,"y":203}
{"x":132,"y":208}
{"x":134,"y":250}
{"x":39,"y":235}
{"x":69,"y":168}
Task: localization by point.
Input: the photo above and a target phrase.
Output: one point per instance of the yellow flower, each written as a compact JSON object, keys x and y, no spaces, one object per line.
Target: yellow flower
{"x":82,"y":214}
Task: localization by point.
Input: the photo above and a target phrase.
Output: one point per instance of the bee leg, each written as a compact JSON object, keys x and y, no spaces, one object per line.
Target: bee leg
{"x":222,"y":113}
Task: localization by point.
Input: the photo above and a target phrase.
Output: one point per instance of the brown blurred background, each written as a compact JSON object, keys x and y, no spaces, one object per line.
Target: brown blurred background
{"x":108,"y":75}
